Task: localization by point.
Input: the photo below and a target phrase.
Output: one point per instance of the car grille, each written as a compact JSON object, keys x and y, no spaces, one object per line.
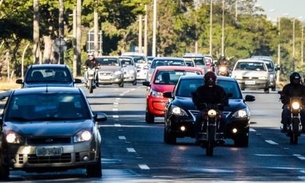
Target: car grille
{"x":105,"y":73}
{"x":48,"y":140}
{"x":64,"y":158}
{"x":194,"y":113}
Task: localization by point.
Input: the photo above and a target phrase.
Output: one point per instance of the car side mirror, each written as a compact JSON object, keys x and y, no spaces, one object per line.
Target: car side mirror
{"x":168,"y":94}
{"x":249,"y":98}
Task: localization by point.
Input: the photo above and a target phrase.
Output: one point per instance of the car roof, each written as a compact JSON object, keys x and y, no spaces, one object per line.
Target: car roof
{"x":179,"y":68}
{"x":106,"y":56}
{"x":53,"y":89}
{"x":133,"y":54}
{"x":48,"y":66}
{"x":250,"y":60}
{"x":222,"y":78}
{"x":193,"y":55}
{"x":168,"y":58}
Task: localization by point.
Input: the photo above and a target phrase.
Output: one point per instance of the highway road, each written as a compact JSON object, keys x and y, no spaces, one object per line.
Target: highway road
{"x":134,"y":152}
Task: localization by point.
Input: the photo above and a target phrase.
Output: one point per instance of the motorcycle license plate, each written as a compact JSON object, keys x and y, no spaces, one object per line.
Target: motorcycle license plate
{"x":250,"y":82}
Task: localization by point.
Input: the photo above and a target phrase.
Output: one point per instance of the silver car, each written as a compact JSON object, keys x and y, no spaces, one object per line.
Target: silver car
{"x":46,"y":129}
{"x":129,"y":69}
{"x":141,"y":62}
{"x":110,"y":70}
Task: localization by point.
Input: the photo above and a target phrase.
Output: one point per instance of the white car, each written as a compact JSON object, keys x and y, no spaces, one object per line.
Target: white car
{"x":141,"y":63}
{"x":129,"y":69}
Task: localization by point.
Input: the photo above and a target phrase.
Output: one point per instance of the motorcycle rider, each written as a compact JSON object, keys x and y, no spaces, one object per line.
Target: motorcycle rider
{"x":210,"y":92}
{"x":222,"y":61}
{"x":91,"y":62}
{"x":292,"y":89}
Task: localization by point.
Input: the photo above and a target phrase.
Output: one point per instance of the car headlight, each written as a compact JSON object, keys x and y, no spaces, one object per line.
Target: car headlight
{"x":262,"y":77}
{"x":117,"y":73}
{"x":177,"y":111}
{"x":242,"y":113}
{"x":156,"y":93}
{"x":14,"y":138}
{"x":82,"y":136}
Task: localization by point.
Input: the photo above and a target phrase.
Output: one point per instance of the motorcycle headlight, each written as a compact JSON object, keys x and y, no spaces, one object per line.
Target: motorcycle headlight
{"x":178,"y":111}
{"x":212,"y":113}
{"x":14,"y":138}
{"x":156,"y":93}
{"x":295,"y":105}
{"x":242,"y":113}
{"x":82,"y":136}
{"x":222,"y":69}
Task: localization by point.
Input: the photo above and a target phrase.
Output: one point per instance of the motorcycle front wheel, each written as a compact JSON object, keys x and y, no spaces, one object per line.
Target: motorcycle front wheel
{"x":294,"y":136}
{"x":211,"y":141}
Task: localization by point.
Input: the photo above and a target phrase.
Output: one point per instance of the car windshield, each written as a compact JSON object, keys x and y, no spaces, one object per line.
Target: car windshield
{"x":171,"y":77}
{"x":187,"y":86}
{"x":166,"y":62}
{"x":53,"y":75}
{"x":139,"y":59}
{"x":108,"y":61}
{"x":126,"y":61}
{"x":251,"y":66}
{"x":197,"y":60}
{"x":47,"y":107}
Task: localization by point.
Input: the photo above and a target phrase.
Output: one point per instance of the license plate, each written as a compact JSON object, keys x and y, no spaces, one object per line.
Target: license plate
{"x":55,"y":151}
{"x":250,"y":82}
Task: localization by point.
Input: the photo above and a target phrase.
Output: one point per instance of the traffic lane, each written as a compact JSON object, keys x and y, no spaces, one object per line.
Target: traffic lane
{"x":158,"y":162}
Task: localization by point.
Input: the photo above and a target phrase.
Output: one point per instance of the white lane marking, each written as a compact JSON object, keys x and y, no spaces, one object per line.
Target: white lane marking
{"x":117,"y":98}
{"x":122,"y":137}
{"x":115,"y":103}
{"x":131,"y":150}
{"x":271,"y":142}
{"x":271,"y":155}
{"x":115,"y":116}
{"x":143,"y":167}
{"x":252,"y":130}
{"x":299,"y":156}
{"x":115,"y":109}
{"x":117,"y":125}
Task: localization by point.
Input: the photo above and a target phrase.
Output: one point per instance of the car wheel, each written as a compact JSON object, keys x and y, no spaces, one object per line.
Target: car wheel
{"x":266,"y":90}
{"x":169,"y":138}
{"x":149,"y":118}
{"x":273,"y":88}
{"x":134,"y":82}
{"x":4,"y":171}
{"x":242,"y":140}
{"x":96,"y":169}
{"x":121,"y":84}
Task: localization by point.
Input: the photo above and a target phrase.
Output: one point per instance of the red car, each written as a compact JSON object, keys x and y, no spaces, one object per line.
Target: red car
{"x":164,"y":79}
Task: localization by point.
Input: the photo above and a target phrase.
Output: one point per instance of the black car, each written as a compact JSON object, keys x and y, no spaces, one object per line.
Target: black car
{"x":48,"y":74}
{"x":180,"y":112}
{"x":46,"y":129}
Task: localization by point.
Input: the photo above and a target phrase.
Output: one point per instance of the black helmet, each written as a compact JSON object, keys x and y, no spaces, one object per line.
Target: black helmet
{"x":295,"y":78}
{"x":210,"y":78}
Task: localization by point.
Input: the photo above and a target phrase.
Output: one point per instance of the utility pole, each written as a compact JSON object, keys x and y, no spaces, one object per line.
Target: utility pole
{"x":140,"y":34}
{"x":36,"y":35}
{"x":223,"y":28}
{"x":96,"y":30}
{"x":145,"y":31}
{"x":61,"y":31}
{"x":78,"y":35}
{"x":154,"y":29}
{"x":211,"y":23}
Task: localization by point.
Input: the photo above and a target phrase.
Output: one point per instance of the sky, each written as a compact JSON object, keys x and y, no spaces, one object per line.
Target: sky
{"x":283,"y":8}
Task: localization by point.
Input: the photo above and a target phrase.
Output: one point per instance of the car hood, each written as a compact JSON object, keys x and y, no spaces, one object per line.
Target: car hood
{"x":49,"y":128}
{"x":163,"y":88}
{"x":187,"y":103}
{"x":247,"y":73}
{"x":109,"y":68}
{"x":131,"y":67}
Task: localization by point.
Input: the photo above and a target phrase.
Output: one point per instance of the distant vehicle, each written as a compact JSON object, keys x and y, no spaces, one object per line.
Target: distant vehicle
{"x":199,"y":60}
{"x":48,"y":74}
{"x":189,"y":62}
{"x":149,"y":59}
{"x":272,"y":68}
{"x":209,"y":62}
{"x":141,"y":63}
{"x":163,"y":79}
{"x":110,"y":70}
{"x":180,"y":112}
{"x":129,"y":69}
{"x":164,"y":61}
{"x":252,"y":73}
{"x":47,"y":129}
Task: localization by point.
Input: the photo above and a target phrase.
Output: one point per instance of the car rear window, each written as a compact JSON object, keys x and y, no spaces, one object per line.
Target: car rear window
{"x":172,"y":76}
{"x":55,"y":75}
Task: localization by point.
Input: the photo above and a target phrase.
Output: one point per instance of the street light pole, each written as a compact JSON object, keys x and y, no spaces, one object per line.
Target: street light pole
{"x":211,"y":20}
{"x":279,"y":50}
{"x":293,"y":44}
{"x":154,"y":29}
{"x":223,"y":26}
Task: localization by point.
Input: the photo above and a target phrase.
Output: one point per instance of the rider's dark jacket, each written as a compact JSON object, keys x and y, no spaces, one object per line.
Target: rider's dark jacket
{"x":206,"y":94}
{"x":91,"y":63}
{"x":292,"y":90}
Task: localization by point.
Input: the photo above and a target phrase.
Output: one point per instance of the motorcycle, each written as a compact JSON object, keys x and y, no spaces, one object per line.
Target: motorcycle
{"x":90,"y":79}
{"x":209,"y":136}
{"x":295,"y":126}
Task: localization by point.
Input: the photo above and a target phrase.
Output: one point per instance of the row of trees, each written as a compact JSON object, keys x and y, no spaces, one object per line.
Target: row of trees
{"x":182,"y":26}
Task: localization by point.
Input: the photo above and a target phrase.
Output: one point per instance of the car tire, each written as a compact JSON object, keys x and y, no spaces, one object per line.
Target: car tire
{"x":266,"y":90}
{"x":121,"y":84}
{"x":149,"y":118}
{"x":96,"y":169}
{"x":273,"y":88}
{"x":134,"y":82}
{"x":169,"y":138}
{"x":4,"y":171}
{"x":242,"y":140}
